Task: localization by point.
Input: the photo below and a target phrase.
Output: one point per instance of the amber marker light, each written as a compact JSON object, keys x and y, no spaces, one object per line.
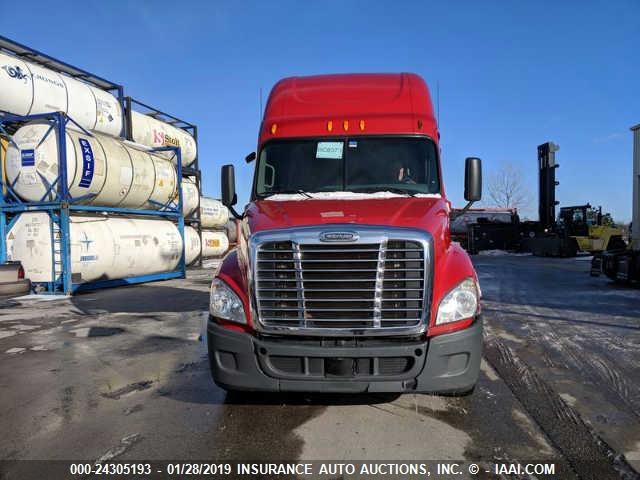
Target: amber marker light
{"x":345,"y":125}
{"x":329,"y":126}
{"x":362,"y":125}
{"x":274,"y":128}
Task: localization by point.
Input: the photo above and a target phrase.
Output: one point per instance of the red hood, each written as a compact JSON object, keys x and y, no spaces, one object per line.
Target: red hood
{"x":430,"y":214}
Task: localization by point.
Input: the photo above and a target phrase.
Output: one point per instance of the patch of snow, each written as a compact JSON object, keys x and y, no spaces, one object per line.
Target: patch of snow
{"x":6,"y":333}
{"x":508,"y":336}
{"x":81,"y":332}
{"x":23,"y":327}
{"x":499,"y":253}
{"x":14,"y":350}
{"x":569,"y":399}
{"x":211,"y":263}
{"x":40,"y":298}
{"x":281,"y":197}
{"x":39,"y":348}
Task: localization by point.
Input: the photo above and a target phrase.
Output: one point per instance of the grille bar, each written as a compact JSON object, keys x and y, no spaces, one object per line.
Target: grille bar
{"x":302,"y":285}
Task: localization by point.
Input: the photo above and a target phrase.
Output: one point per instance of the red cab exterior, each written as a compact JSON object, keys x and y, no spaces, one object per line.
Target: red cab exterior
{"x":442,"y":357}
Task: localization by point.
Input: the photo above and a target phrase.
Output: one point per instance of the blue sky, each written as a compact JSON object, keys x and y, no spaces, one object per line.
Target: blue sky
{"x":511,"y":75}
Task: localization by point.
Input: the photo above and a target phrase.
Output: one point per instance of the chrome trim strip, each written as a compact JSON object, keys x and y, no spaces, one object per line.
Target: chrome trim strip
{"x":297,"y":262}
{"x":377,"y":295}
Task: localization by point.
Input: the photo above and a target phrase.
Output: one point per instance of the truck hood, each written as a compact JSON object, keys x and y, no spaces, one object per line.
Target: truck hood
{"x":426,"y":213}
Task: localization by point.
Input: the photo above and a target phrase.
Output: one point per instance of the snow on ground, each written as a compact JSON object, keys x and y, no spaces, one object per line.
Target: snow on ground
{"x":499,"y":253}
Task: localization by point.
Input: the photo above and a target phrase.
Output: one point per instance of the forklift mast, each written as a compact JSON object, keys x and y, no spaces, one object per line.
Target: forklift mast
{"x":547,"y":184}
{"x":635,"y":218}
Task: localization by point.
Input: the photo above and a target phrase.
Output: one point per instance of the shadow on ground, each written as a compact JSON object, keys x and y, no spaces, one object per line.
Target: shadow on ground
{"x":142,"y":299}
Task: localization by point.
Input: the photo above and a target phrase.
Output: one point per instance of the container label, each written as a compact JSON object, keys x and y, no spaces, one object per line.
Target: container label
{"x":329,"y":150}
{"x":87,"y":163}
{"x":28,"y":157}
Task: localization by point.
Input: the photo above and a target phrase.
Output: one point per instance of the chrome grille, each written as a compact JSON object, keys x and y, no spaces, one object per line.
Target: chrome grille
{"x":363,"y":286}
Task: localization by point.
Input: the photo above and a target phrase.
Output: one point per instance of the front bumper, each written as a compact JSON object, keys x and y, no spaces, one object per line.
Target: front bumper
{"x":448,"y":363}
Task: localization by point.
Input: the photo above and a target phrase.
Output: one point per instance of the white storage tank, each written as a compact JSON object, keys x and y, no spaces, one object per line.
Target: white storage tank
{"x":191,"y":245}
{"x":214,"y":243}
{"x":27,"y":89}
{"x":112,"y":172}
{"x":232,"y":230}
{"x":102,"y":248}
{"x":155,"y":133}
{"x":212,"y":213}
{"x":190,"y":195}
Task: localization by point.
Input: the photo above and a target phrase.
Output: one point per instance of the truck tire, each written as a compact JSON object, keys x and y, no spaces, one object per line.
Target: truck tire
{"x":616,"y":243}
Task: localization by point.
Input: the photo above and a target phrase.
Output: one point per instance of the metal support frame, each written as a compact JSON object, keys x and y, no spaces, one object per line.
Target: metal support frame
{"x":61,"y":201}
{"x":59,"y":204}
{"x":194,"y":218}
{"x":128,"y":105}
{"x":193,"y":170}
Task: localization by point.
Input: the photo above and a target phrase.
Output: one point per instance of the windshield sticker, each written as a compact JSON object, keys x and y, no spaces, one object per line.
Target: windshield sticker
{"x":329,"y":150}
{"x":353,"y":144}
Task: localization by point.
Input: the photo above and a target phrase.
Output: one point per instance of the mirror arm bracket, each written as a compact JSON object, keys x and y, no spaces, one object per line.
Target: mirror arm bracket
{"x":236,"y":215}
{"x":464,"y":209}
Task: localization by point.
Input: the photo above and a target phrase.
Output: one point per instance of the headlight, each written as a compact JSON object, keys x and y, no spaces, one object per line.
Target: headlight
{"x":224,"y":303}
{"x":459,"y":304}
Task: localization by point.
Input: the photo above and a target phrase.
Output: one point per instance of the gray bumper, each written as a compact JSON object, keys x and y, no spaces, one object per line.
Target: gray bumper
{"x":448,"y":363}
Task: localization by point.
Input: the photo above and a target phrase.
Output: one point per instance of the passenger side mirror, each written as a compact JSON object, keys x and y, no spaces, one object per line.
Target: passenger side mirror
{"x":228,"y":185}
{"x":472,"y":179}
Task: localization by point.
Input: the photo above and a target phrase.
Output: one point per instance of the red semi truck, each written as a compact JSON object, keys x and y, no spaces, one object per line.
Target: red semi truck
{"x":345,"y":278}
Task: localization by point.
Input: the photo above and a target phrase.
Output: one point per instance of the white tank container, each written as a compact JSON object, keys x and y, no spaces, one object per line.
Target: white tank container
{"x":115,"y":173}
{"x":154,"y":133}
{"x":214,"y":244}
{"x":190,"y":196}
{"x":212,"y":213}
{"x":191,"y":245}
{"x":232,"y":230}
{"x":27,"y":89}
{"x":101,"y":248}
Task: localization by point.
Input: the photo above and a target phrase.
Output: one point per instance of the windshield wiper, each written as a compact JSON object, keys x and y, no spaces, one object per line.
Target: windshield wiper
{"x":401,"y":191}
{"x":285,"y":192}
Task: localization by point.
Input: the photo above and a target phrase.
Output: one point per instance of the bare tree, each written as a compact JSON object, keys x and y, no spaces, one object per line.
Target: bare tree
{"x":507,"y":190}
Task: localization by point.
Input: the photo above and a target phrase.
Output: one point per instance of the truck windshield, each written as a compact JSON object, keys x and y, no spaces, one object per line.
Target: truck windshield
{"x":361,"y":164}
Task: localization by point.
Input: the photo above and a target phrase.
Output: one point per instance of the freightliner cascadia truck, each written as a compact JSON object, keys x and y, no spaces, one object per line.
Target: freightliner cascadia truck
{"x":345,"y":278}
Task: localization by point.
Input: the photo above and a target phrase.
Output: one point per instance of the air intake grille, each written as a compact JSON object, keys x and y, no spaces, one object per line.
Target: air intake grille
{"x":340,"y":286}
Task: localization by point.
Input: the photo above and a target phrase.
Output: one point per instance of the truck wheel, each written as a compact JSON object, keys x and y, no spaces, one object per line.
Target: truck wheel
{"x":616,"y":243}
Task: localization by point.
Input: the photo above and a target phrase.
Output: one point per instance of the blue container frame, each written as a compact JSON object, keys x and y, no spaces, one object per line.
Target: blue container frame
{"x":62,"y":204}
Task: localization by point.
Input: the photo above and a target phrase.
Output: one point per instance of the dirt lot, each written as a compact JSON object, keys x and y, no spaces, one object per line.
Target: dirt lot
{"x":123,"y":374}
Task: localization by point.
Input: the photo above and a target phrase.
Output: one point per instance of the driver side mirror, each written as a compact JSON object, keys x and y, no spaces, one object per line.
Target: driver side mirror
{"x":228,"y":185}
{"x":472,"y":179}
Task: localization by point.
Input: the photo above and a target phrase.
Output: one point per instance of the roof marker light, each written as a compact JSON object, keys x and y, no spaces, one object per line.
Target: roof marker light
{"x":345,"y":125}
{"x":419,"y":124}
{"x":329,"y":125}
{"x":274,"y":128}
{"x":362,"y":125}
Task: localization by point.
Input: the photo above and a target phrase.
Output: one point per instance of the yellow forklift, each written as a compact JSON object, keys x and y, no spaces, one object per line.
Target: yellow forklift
{"x":592,"y":231}
{"x":579,"y":228}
